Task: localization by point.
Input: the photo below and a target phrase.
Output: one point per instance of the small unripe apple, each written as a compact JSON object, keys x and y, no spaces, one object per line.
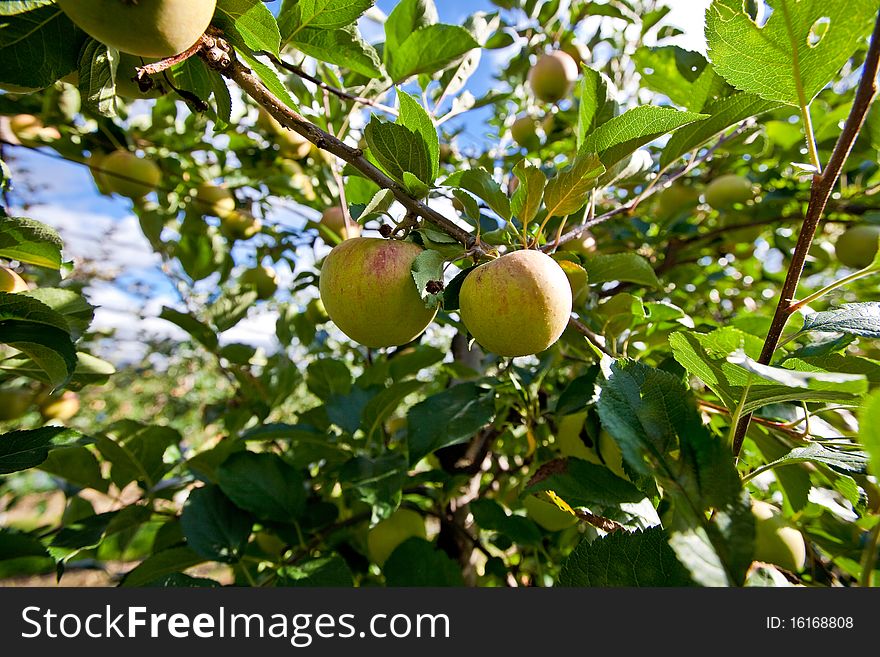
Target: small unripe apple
{"x":776,"y":541}
{"x":857,"y":247}
{"x":333,"y":219}
{"x":568,"y":437}
{"x":524,"y":132}
{"x":387,"y":535}
{"x":516,"y":305}
{"x":214,"y":200}
{"x":30,"y":131}
{"x":240,"y":225}
{"x":676,"y":199}
{"x":127,"y":87}
{"x":263,"y":279}
{"x":14,"y":403}
{"x":149,"y":28}
{"x":128,"y":175}
{"x":585,"y":244}
{"x":367,"y":288}
{"x":315,"y":312}
{"x":553,"y":76}
{"x":10,"y":281}
{"x":548,"y":515}
{"x":60,"y":407}
{"x":291,"y":144}
{"x":728,"y":190}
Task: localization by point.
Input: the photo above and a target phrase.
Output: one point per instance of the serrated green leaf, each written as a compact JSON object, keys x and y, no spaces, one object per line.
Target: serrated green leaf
{"x":869,"y":430}
{"x":568,"y":191}
{"x":319,"y":14}
{"x":430,"y":49}
{"x":398,"y":149}
{"x":97,"y":77}
{"x":481,"y":183}
{"x":414,"y":117}
{"x":527,"y":198}
{"x":50,"y":348}
{"x":381,"y":407}
{"x":263,"y":484}
{"x":785,"y":60}
{"x":72,"y":306}
{"x":201,"y":332}
{"x":862,"y":319}
{"x":407,"y":17}
{"x":30,"y":242}
{"x":642,"y":558}
{"x":20,"y":450}
{"x":343,"y":47}
{"x":249,"y":22}
{"x":628,"y":267}
{"x":597,"y":104}
{"x":682,"y":75}
{"x":214,"y":527}
{"x":427,"y":267}
{"x":416,"y":562}
{"x":162,"y":564}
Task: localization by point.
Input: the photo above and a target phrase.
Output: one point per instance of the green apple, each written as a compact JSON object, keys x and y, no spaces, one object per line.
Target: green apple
{"x":857,"y":247}
{"x":675,"y":199}
{"x":14,"y":403}
{"x":263,"y":279}
{"x":126,"y":174}
{"x":518,"y":304}
{"x":368,"y":291}
{"x":333,"y":220}
{"x":524,"y":132}
{"x":61,"y":407}
{"x":553,"y":76}
{"x":214,"y":200}
{"x":240,"y":225}
{"x":10,"y":281}
{"x":727,"y":190}
{"x":387,"y":535}
{"x":777,"y":541}
{"x":149,"y":28}
{"x":548,"y":515}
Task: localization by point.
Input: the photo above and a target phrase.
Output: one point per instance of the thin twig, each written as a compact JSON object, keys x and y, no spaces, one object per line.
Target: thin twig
{"x":822,"y":186}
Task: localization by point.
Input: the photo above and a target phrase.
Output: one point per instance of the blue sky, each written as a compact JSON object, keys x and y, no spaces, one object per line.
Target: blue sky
{"x":63,"y":195}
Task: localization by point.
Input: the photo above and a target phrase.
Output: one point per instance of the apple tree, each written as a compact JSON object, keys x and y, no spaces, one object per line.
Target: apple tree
{"x":630,"y":339}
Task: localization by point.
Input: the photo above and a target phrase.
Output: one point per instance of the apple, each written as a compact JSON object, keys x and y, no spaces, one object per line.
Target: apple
{"x":727,"y":190}
{"x":60,"y":407}
{"x":857,"y":247}
{"x":333,"y":220}
{"x":568,"y":437}
{"x":291,"y":144}
{"x":10,"y":281}
{"x":577,"y":279}
{"x":126,"y":174}
{"x":263,"y":279}
{"x":777,"y":541}
{"x":585,"y":244}
{"x":127,"y":87}
{"x":676,"y":199}
{"x":384,"y":538}
{"x":315,"y":312}
{"x":214,"y":200}
{"x":30,"y":131}
{"x":553,"y":76}
{"x":240,"y":225}
{"x":368,"y":291}
{"x":149,"y":28}
{"x":524,"y":132}
{"x":14,"y":403}
{"x":518,"y":304}
{"x":548,"y":515}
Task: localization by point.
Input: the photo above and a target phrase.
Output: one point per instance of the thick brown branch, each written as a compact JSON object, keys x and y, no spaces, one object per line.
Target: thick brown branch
{"x":225,"y":63}
{"x":820,"y":191}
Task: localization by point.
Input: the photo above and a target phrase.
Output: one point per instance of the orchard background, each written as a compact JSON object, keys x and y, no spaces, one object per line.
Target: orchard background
{"x":671,"y":382}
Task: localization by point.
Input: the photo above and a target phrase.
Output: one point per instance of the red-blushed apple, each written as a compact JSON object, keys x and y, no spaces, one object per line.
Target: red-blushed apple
{"x":368,"y":291}
{"x":518,"y":304}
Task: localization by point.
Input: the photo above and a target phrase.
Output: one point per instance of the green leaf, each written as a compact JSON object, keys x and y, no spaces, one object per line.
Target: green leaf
{"x":231,"y":307}
{"x":320,"y":14}
{"x":383,"y":405}
{"x":268,"y":76}
{"x":20,"y":450}
{"x":654,"y":420}
{"x":89,"y":370}
{"x":869,"y":430}
{"x":427,"y":267}
{"x":722,"y":113}
{"x":49,"y":348}
{"x":76,"y":311}
{"x":398,"y":149}
{"x":326,"y":572}
{"x":214,"y":527}
{"x":862,"y":319}
{"x":568,"y":191}
{"x":378,"y":481}
{"x":249,"y":22}
{"x":162,"y":564}
{"x":481,"y":183}
{"x":27,"y":309}
{"x":620,"y":136}
{"x":416,"y":562}
{"x":597,"y":104}
{"x":77,"y":465}
{"x":202,"y":333}
{"x":343,"y":47}
{"x":841,"y":461}
{"x":38,"y":46}
{"x":682,"y":75}
{"x":491,"y":516}
{"x":378,"y":205}
{"x":642,"y":558}
{"x":30,"y":242}
{"x":428,"y":50}
{"x":327,"y":377}
{"x":97,"y":77}
{"x":527,"y":198}
{"x":135,"y":452}
{"x":407,"y":17}
{"x":448,"y":418}
{"x":263,"y":484}
{"x":706,"y":357}
{"x":414,"y":117}
{"x":785,"y":60}
{"x":625,"y":267}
